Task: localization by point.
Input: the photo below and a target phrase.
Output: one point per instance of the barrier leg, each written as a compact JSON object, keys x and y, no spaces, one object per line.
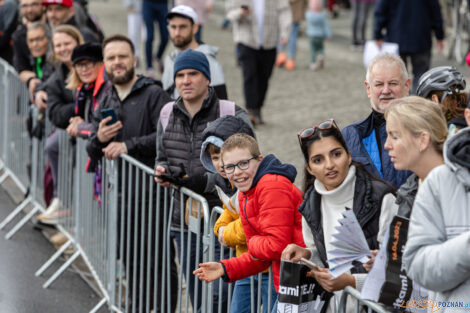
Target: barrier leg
{"x":15,"y":212}
{"x":23,"y":221}
{"x":98,"y":306}
{"x":4,"y":176}
{"x":53,"y":258}
{"x":61,"y":270}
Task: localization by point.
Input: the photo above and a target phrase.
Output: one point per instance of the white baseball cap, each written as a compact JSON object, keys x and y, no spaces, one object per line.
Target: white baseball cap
{"x":183,"y":10}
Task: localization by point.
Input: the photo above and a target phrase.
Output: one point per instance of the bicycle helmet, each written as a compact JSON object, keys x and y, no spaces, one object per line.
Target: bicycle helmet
{"x":441,"y":78}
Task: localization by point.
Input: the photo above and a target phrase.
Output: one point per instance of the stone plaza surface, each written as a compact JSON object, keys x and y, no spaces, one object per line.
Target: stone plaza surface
{"x":296,"y":99}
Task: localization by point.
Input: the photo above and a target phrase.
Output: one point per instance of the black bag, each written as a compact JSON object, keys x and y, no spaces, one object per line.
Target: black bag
{"x":299,"y":293}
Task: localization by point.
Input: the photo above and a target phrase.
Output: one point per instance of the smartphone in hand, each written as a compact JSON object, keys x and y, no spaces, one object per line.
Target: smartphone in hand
{"x":109,"y":112}
{"x":310,"y":264}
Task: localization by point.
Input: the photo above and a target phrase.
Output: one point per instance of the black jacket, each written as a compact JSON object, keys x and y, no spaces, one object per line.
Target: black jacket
{"x":368,"y":196}
{"x":139,"y":113}
{"x":409,"y":23}
{"x":60,"y":101}
{"x":21,"y":52}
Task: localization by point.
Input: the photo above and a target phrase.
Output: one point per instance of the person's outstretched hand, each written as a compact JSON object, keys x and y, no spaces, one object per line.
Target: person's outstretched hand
{"x":294,"y":252}
{"x":209,"y":271}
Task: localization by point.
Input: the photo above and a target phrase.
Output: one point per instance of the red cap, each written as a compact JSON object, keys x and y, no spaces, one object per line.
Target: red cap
{"x":67,"y":3}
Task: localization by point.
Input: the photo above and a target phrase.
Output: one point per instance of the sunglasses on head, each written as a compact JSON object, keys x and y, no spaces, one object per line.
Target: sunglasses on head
{"x":310,"y":131}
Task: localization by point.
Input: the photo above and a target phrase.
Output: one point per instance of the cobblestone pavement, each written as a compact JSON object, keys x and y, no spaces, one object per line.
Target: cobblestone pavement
{"x":296,"y":99}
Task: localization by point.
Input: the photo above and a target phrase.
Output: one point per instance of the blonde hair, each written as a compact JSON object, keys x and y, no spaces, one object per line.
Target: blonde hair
{"x":69,"y":30}
{"x":241,"y":141}
{"x":419,"y":115}
{"x":73,"y":80}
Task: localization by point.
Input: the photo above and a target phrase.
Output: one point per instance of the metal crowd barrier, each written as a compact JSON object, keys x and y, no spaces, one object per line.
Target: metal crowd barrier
{"x":360,"y":305}
{"x":256,"y":304}
{"x":18,"y":149}
{"x":124,"y":232}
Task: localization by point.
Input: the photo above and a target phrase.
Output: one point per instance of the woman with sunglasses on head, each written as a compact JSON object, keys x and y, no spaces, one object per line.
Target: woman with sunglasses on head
{"x":332,"y":183}
{"x":445,"y":85}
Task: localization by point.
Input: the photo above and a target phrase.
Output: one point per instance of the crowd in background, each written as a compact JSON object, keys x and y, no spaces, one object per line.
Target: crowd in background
{"x":410,"y":157}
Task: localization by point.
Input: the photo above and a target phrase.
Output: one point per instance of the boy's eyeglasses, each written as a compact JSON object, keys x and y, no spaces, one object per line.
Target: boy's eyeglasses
{"x":310,"y":131}
{"x":242,"y":164}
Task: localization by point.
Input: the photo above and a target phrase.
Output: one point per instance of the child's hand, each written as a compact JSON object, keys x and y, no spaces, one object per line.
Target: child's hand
{"x":221,"y":236}
{"x":294,"y":252}
{"x":325,"y":280}
{"x":209,"y":271}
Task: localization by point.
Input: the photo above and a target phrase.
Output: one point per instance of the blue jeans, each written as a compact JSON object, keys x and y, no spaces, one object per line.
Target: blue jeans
{"x":292,"y":42}
{"x":241,"y":299}
{"x":275,"y":307}
{"x":151,"y":12}
{"x":191,"y":280}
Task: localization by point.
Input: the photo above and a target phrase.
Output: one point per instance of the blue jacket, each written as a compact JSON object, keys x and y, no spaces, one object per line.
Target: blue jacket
{"x":409,"y":23}
{"x":362,"y":144}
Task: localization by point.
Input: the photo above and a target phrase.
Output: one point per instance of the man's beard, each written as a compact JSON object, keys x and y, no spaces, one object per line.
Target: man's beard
{"x":122,"y":79}
{"x":34,"y":18}
{"x":183,"y":43}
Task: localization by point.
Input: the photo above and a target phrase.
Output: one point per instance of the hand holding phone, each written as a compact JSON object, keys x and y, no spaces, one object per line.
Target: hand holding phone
{"x":310,"y":264}
{"x":109,"y":112}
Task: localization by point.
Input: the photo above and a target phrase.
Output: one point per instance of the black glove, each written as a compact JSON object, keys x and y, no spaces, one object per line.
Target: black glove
{"x":196,"y":183}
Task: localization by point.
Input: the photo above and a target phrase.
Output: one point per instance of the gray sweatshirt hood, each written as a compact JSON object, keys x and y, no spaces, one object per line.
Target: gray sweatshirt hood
{"x":457,"y":155}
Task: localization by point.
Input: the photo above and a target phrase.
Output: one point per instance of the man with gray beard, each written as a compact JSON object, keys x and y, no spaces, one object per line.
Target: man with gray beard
{"x":136,"y":100}
{"x":386,"y":79}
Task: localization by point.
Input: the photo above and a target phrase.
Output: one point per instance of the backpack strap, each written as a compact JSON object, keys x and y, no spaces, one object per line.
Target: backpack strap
{"x":226,"y":108}
{"x":165,"y":114}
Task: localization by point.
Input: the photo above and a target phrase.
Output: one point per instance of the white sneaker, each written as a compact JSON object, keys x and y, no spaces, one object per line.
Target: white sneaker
{"x":53,"y":207}
{"x":51,"y":215}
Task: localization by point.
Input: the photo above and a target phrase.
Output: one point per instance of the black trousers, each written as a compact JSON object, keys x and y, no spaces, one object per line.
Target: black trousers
{"x":420,"y":63}
{"x":257,"y":66}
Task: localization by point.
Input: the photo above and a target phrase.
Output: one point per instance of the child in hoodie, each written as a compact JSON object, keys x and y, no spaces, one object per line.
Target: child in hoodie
{"x":228,"y":227}
{"x":268,"y":201}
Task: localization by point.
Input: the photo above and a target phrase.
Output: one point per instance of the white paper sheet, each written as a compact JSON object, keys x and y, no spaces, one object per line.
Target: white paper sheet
{"x":349,"y":244}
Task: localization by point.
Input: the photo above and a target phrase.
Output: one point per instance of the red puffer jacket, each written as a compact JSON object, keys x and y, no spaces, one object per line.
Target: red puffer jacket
{"x":270,"y":220}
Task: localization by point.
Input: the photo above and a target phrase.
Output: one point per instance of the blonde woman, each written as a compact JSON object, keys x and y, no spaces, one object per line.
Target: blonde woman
{"x":60,"y":102}
{"x":416,"y":131}
{"x":88,"y":80}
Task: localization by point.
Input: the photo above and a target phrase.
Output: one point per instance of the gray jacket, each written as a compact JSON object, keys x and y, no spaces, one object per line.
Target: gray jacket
{"x":216,"y":70}
{"x":437,"y":254}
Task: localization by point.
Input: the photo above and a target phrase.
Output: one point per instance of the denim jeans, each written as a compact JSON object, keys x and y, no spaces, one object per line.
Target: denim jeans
{"x":191,"y":279}
{"x":241,"y":299}
{"x":151,"y":12}
{"x":292,"y":42}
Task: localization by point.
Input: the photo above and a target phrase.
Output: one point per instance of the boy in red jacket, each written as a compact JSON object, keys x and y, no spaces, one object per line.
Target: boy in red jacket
{"x":268,"y":202}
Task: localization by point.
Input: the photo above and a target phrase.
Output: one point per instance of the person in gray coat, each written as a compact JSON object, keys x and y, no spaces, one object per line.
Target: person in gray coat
{"x":437,"y":252}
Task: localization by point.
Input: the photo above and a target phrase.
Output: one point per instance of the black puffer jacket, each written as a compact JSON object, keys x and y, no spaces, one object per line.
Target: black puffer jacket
{"x":60,"y":100}
{"x":368,"y":196}
{"x":179,"y":146}
{"x":139,"y":113}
